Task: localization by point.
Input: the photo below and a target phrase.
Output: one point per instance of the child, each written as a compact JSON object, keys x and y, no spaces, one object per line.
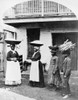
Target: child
{"x":53,"y":72}
{"x":66,"y":69}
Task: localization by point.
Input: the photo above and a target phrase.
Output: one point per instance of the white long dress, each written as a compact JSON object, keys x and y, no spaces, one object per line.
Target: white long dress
{"x":13,"y":73}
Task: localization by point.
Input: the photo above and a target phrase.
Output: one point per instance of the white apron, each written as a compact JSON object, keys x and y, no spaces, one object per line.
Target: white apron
{"x":34,"y":71}
{"x":13,"y":73}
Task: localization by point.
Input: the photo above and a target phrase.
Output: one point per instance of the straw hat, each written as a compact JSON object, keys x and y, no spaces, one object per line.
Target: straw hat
{"x":36,"y":43}
{"x":12,"y":41}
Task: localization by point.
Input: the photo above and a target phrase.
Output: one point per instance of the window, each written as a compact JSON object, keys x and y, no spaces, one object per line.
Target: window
{"x":10,"y":34}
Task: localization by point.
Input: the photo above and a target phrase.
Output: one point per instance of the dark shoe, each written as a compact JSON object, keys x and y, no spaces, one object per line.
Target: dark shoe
{"x":31,"y":84}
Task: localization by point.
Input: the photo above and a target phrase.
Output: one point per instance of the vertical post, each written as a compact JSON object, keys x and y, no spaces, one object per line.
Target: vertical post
{"x":13,"y":35}
{"x":77,"y":51}
{"x":58,"y":11}
{"x":2,"y":58}
{"x":42,"y":7}
{"x":4,"y":55}
{"x":1,"y":52}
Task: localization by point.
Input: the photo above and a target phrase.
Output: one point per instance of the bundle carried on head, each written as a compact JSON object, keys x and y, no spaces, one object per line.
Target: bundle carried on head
{"x":67,"y":45}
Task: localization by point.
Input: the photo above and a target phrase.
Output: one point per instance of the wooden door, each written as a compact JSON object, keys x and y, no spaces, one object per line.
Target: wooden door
{"x":59,"y":38}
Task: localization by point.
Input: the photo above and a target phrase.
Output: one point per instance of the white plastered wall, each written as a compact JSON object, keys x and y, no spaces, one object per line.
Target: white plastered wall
{"x":45,"y":37}
{"x":22,"y":47}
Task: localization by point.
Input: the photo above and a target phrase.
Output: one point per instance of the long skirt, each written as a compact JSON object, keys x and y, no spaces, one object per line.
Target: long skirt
{"x":13,"y":73}
{"x":36,"y":74}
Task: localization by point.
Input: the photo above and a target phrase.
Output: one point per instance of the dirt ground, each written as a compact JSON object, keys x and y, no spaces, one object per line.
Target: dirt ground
{"x":42,"y":93}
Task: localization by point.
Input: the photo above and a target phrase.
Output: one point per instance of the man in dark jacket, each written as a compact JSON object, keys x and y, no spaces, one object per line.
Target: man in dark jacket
{"x":66,"y":69}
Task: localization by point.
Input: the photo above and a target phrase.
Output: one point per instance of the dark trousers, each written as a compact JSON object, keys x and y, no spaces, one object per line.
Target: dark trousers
{"x":66,"y":86}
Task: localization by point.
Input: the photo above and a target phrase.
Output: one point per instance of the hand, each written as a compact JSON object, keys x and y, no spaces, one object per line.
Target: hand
{"x":64,"y":76}
{"x":14,"y":59}
{"x":53,"y":73}
{"x":61,"y":73}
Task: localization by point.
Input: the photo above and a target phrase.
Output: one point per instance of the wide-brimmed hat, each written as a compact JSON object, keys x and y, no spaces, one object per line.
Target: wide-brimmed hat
{"x":36,"y":43}
{"x":12,"y":41}
{"x":54,"y":48}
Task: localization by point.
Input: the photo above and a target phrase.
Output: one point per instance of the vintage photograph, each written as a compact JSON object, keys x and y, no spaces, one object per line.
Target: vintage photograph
{"x":38,"y":50}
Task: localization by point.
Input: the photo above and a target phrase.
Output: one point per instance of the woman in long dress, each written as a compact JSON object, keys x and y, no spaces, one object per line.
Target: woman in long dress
{"x":36,"y":72}
{"x":13,"y":73}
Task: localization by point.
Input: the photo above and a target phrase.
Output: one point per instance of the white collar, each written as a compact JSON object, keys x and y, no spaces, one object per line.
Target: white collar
{"x":13,"y":51}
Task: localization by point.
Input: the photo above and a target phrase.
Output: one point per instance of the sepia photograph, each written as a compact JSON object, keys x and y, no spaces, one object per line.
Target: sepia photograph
{"x":38,"y":50}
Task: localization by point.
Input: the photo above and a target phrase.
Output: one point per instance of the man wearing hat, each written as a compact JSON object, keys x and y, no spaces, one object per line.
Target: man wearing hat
{"x":53,"y":72}
{"x":66,"y":69}
{"x":13,"y":74}
{"x":36,"y":72}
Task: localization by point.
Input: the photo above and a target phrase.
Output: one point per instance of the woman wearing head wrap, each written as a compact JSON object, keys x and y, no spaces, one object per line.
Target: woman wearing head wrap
{"x":53,"y":72}
{"x":13,"y":74}
{"x":36,"y":72}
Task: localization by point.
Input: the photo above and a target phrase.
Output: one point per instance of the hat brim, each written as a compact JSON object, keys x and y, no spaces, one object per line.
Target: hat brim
{"x":53,"y":48}
{"x":36,"y":43}
{"x":12,"y":41}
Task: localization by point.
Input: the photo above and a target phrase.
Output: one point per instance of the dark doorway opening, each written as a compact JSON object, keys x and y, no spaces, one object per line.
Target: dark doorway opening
{"x":59,"y":38}
{"x":32,"y":34}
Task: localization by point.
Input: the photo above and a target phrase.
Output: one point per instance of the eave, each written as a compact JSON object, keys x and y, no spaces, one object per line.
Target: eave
{"x":13,"y":21}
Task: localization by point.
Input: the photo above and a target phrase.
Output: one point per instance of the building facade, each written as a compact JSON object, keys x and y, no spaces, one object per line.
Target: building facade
{"x":44,"y":20}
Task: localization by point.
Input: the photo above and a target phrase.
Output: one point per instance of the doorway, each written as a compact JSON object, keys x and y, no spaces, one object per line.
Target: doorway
{"x":59,"y":38}
{"x":32,"y":34}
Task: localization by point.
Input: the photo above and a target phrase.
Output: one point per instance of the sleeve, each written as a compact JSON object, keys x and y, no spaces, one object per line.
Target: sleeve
{"x":36,"y":57}
{"x":9,"y":56}
{"x":68,"y":68}
{"x":55,"y":65}
{"x":17,"y":55}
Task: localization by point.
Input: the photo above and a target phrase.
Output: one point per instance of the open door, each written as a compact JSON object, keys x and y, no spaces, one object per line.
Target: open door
{"x":32,"y":34}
